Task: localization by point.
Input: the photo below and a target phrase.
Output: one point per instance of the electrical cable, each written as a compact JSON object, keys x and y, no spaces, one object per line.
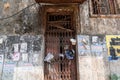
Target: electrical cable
{"x":17,"y":12}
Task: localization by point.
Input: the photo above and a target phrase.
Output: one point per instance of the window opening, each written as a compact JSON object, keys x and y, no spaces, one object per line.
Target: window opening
{"x":105,"y":7}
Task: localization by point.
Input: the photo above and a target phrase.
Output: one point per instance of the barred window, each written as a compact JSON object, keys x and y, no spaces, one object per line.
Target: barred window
{"x":105,"y":7}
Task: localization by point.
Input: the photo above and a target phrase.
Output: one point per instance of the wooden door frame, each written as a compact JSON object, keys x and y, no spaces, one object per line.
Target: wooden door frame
{"x":76,"y":20}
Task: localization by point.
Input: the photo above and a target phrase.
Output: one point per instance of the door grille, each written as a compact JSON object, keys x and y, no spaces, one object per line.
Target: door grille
{"x":59,"y":31}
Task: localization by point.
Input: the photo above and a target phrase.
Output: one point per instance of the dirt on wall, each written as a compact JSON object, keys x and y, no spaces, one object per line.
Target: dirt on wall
{"x":97,"y":25}
{"x":20,"y":17}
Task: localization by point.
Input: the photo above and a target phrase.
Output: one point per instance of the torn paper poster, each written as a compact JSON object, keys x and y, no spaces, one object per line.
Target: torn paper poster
{"x":1,"y":40}
{"x":1,"y":70}
{"x":113,"y":46}
{"x":16,"y":56}
{"x":35,"y":58}
{"x":97,"y":50}
{"x":23,"y":47}
{"x":16,"y":47}
{"x":8,"y":71}
{"x":61,"y":55}
{"x":1,"y":58}
{"x":25,"y":57}
{"x":73,"y":41}
{"x":97,"y":44}
{"x":83,"y":45}
{"x":49,"y":57}
{"x":1,"y":64}
{"x":9,"y":56}
{"x":94,"y":39}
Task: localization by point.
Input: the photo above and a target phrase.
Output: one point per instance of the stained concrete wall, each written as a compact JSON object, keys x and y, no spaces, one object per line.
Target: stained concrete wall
{"x":26,"y":21}
{"x":17,"y":20}
{"x":97,"y":26}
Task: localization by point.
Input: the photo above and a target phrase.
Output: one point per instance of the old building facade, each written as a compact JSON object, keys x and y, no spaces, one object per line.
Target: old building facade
{"x":30,"y":30}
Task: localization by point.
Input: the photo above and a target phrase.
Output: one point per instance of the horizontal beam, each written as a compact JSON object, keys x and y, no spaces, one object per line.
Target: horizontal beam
{"x":59,"y":1}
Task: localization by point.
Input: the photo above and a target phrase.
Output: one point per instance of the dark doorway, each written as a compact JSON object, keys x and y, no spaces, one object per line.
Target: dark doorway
{"x":59,"y":30}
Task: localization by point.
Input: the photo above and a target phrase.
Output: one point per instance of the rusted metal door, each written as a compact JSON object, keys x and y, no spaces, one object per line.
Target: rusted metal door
{"x":59,"y":31}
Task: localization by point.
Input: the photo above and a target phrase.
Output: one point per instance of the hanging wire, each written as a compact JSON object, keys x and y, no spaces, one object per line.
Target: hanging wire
{"x":18,"y":12}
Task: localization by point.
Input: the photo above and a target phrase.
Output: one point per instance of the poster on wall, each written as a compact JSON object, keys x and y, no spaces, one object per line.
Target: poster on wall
{"x":16,"y":47}
{"x":1,"y":64}
{"x":25,"y":57}
{"x":113,"y":46}
{"x":83,"y":45}
{"x":98,"y":45}
{"x":16,"y":56}
{"x":35,"y":58}
{"x":8,"y":71}
{"x":23,"y":47}
{"x":1,"y":58}
{"x":1,"y":40}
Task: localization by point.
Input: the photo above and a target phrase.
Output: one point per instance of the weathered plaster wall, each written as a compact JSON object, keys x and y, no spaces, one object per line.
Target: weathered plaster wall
{"x":97,"y":26}
{"x":93,"y":68}
{"x":14,"y":22}
{"x":24,"y":22}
